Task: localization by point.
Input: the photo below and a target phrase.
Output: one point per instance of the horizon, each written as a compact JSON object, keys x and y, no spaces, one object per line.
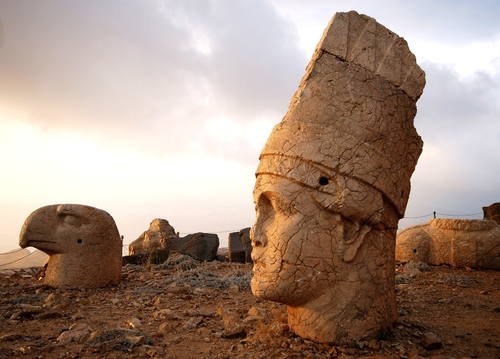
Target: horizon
{"x":160,"y":109}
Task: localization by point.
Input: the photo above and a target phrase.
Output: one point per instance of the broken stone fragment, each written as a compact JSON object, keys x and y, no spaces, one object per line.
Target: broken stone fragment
{"x":492,"y":212}
{"x":157,"y":237}
{"x":200,"y":246}
{"x":76,"y":333}
{"x":240,"y":246}
{"x":155,"y":256}
{"x":117,"y":339}
{"x":431,"y":341}
{"x":133,"y":323}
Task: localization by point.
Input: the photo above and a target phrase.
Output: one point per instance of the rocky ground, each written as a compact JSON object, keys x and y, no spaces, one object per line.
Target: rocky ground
{"x":187,"y":309}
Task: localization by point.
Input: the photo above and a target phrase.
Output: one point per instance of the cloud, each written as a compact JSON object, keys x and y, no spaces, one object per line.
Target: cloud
{"x":160,"y":108}
{"x":147,"y":74}
{"x":458,"y":122}
{"x":452,"y":105}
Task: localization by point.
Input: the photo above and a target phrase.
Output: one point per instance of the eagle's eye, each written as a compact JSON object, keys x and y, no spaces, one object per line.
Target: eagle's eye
{"x":71,"y":220}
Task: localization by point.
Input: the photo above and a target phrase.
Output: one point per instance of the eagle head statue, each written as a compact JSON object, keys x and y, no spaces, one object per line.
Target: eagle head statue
{"x":83,"y":244}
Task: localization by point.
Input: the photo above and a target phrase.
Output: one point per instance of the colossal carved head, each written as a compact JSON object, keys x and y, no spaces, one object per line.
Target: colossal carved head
{"x":82,"y":242}
{"x":333,"y":180}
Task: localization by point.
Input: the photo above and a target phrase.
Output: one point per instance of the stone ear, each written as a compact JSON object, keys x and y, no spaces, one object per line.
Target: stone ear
{"x":354,"y":235}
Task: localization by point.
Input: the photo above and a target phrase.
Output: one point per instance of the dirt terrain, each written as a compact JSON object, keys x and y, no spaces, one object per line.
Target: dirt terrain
{"x":187,"y":309}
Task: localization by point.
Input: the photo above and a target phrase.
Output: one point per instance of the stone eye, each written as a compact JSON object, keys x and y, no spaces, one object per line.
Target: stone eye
{"x":323,"y":181}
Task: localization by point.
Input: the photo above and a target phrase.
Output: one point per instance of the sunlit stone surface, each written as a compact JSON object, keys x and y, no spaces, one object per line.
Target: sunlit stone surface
{"x":82,"y":242}
{"x":455,"y":242}
{"x":333,"y":180}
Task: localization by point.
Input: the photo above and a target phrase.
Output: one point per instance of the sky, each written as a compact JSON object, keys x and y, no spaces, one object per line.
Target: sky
{"x":159,"y":108}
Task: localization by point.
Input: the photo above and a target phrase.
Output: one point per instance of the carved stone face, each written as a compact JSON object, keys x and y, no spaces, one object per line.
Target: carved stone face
{"x":332,"y":181}
{"x":296,"y":247}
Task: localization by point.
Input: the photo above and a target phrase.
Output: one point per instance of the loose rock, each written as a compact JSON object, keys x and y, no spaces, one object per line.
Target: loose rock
{"x":431,"y":341}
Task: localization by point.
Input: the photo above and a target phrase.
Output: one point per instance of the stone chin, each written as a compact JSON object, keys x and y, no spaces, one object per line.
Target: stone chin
{"x":286,"y":287}
{"x":266,"y":288}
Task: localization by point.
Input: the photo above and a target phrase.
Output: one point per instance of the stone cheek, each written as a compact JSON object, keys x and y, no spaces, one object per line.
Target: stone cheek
{"x":285,"y":268}
{"x":300,"y":260}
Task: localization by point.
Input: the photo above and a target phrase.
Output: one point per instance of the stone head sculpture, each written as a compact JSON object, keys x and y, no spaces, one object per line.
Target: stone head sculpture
{"x":82,"y":242}
{"x":333,"y":181}
{"x":158,"y":236}
{"x":452,"y":241}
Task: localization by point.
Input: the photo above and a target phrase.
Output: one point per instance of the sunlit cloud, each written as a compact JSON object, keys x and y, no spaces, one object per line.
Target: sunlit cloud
{"x":466,"y":59}
{"x":160,"y":108}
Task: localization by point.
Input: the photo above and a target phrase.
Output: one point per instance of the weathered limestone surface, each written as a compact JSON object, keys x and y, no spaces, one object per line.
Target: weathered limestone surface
{"x":492,"y":212}
{"x":456,"y":242}
{"x":82,"y":242}
{"x":240,"y":246}
{"x":157,"y":237}
{"x":333,"y":180}
{"x":201,"y":246}
{"x":155,"y":243}
{"x":155,"y":256}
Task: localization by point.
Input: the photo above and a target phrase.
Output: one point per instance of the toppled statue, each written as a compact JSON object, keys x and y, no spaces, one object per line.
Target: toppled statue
{"x":155,"y":244}
{"x":82,"y":242}
{"x":492,"y":212}
{"x":333,"y":181}
{"x":456,"y":242}
{"x":158,"y":236}
{"x":240,"y":246}
{"x":200,"y":246}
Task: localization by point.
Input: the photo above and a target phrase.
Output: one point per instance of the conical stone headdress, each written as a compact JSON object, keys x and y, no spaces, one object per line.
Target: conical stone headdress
{"x":352,"y":115}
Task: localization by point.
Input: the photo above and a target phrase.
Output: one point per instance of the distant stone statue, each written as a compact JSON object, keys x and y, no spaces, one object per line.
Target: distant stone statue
{"x":158,"y":236}
{"x":240,"y":246}
{"x":200,"y":246}
{"x":82,"y":242}
{"x":161,"y":239}
{"x":492,"y":212}
{"x":455,"y":242}
{"x":332,"y":182}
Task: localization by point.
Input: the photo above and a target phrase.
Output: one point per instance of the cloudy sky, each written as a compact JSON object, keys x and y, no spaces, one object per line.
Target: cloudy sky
{"x":160,"y":108}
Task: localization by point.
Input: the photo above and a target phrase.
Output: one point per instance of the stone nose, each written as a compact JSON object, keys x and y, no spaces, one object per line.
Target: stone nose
{"x":258,"y":234}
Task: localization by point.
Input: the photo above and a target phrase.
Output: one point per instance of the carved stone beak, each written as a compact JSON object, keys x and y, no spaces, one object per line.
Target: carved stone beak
{"x":38,"y":230}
